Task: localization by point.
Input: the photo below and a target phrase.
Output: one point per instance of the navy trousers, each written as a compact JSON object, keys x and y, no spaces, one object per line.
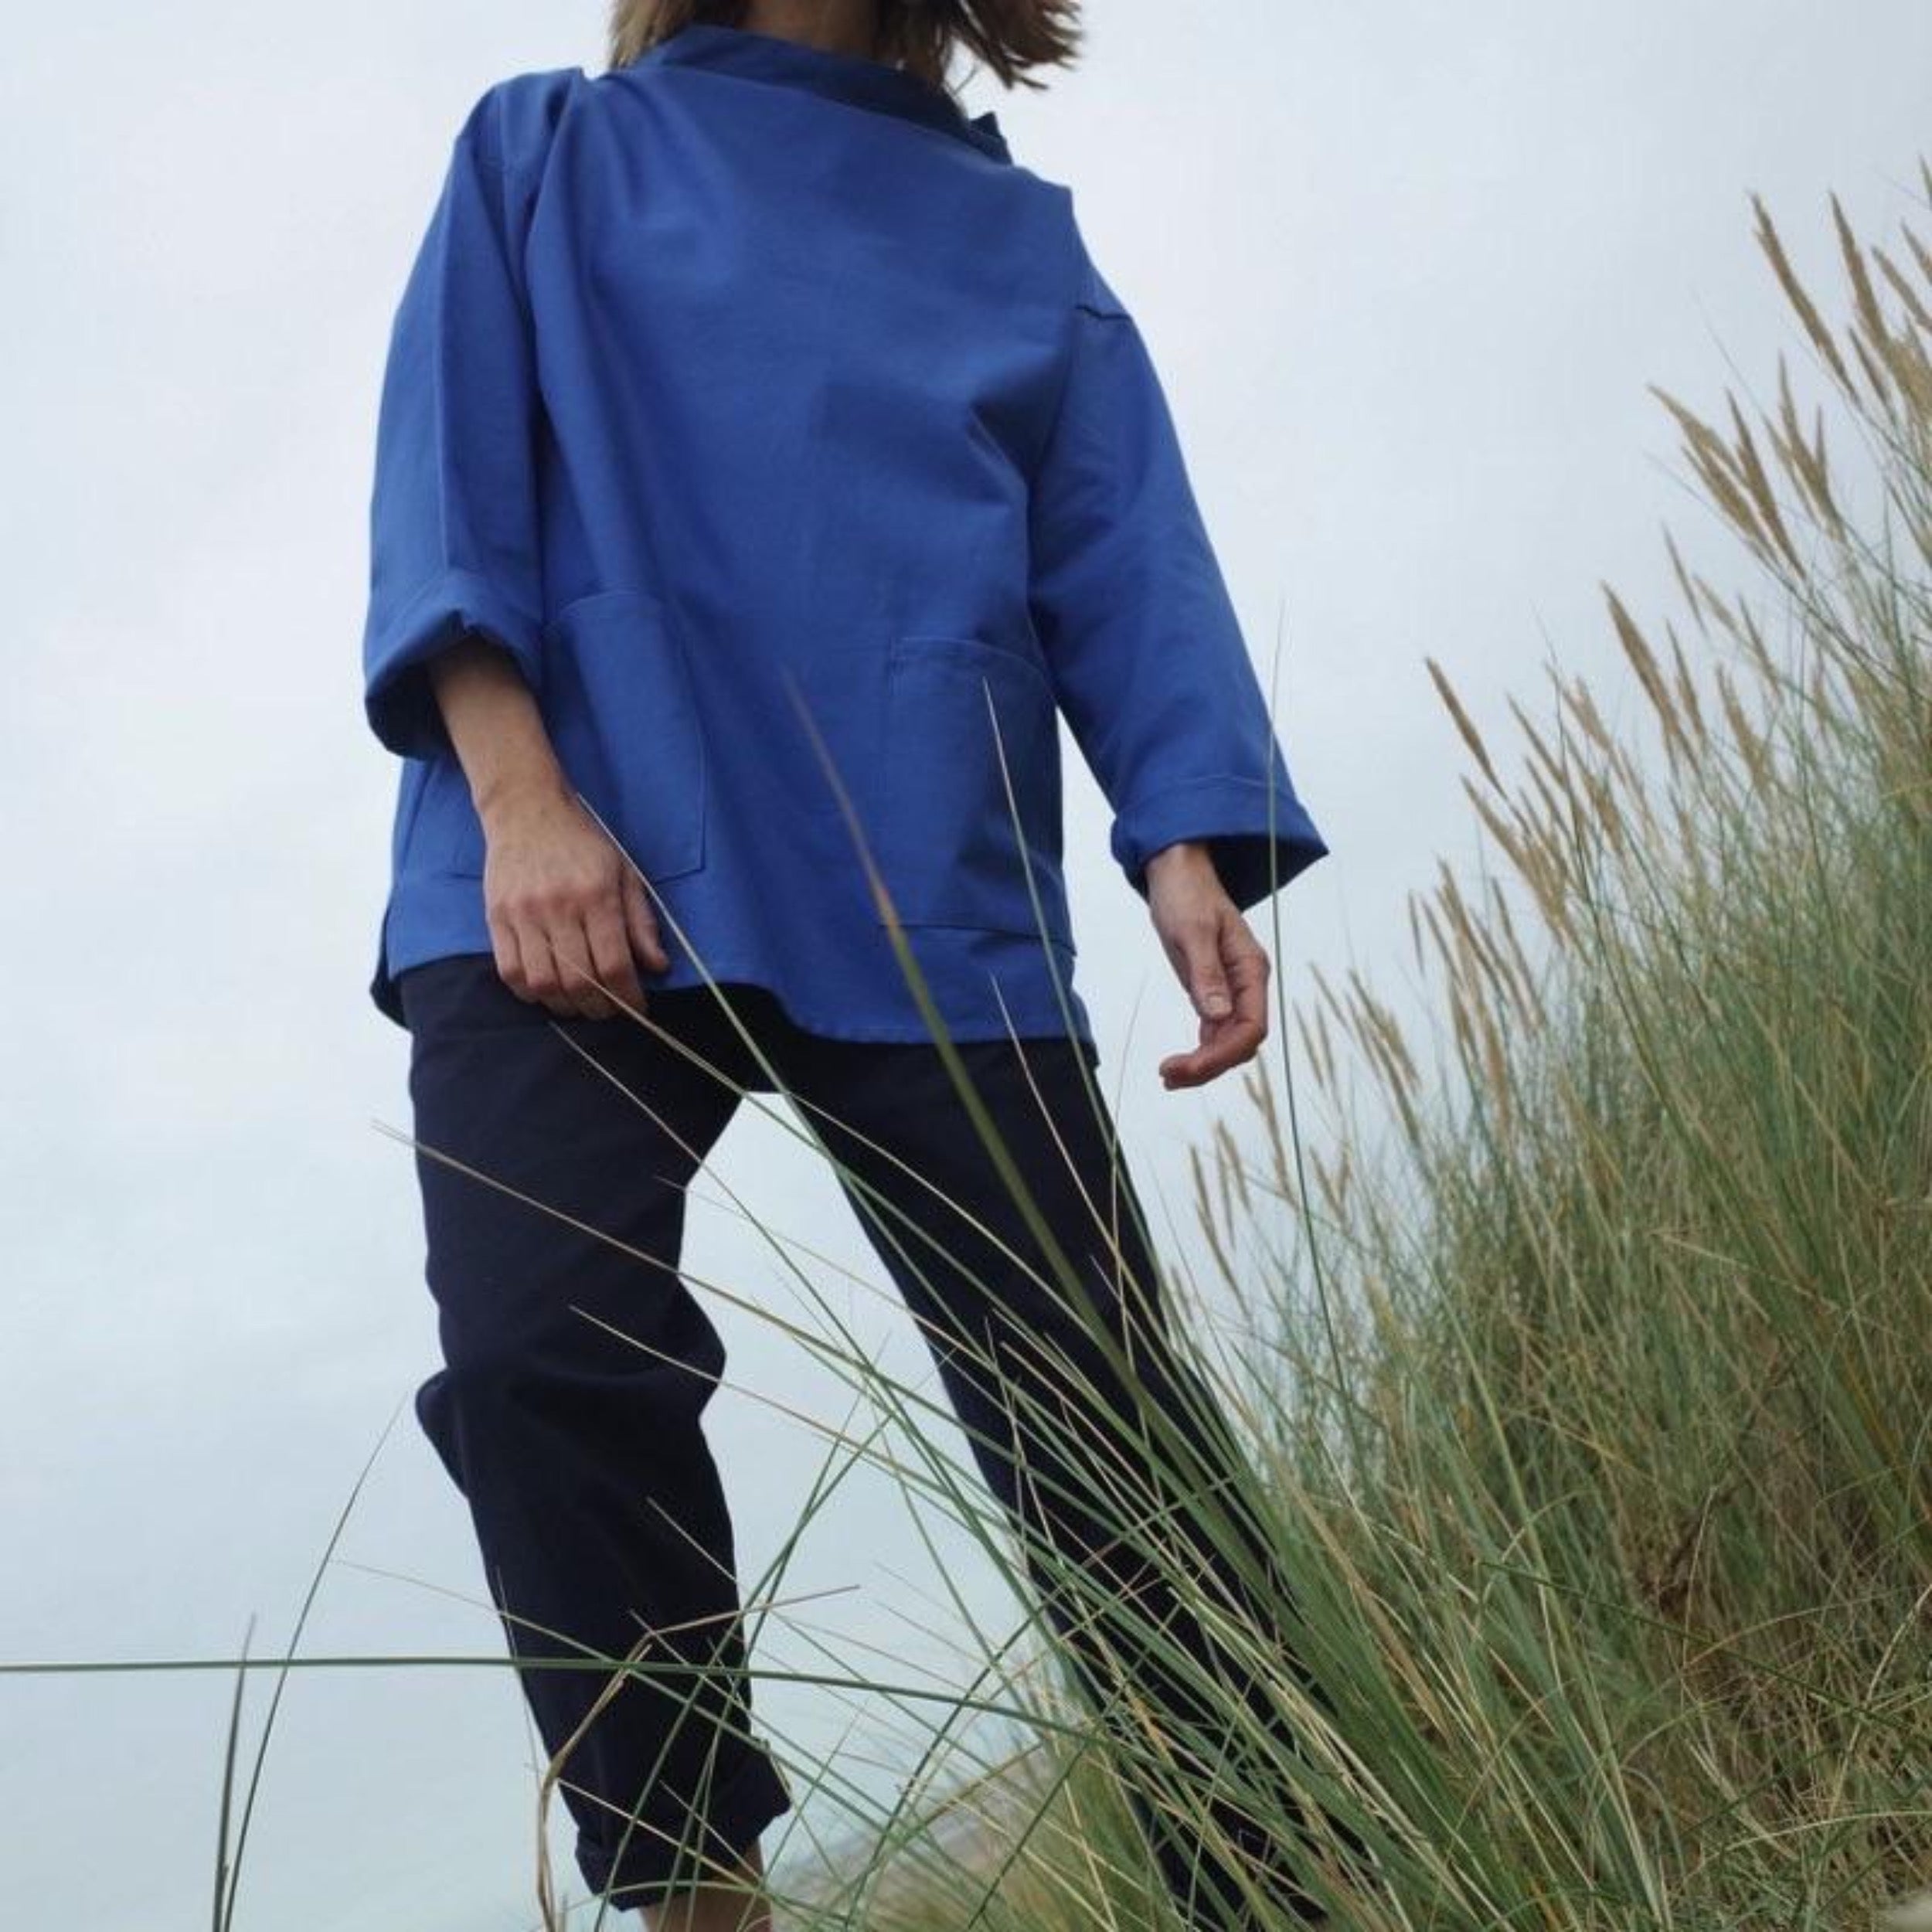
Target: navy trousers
{"x":575,"y":1375}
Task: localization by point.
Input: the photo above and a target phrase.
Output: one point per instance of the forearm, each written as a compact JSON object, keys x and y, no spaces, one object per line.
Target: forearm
{"x":492,"y":715}
{"x":569,"y":922}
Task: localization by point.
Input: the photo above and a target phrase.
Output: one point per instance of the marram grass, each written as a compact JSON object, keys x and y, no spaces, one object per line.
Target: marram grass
{"x":1596,"y":1400}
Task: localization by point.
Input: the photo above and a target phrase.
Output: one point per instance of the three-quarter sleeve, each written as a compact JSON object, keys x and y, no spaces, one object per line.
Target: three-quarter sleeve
{"x":454,"y":525}
{"x":1142,"y":642}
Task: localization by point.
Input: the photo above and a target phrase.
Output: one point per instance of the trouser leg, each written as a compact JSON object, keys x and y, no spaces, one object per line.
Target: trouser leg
{"x":999,"y":1334}
{"x":568,"y":1410}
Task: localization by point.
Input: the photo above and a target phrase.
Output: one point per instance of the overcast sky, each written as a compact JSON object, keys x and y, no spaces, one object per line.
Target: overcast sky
{"x":1407,"y":270}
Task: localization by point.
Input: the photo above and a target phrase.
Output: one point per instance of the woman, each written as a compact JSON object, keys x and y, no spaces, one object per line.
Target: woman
{"x":764,"y":467}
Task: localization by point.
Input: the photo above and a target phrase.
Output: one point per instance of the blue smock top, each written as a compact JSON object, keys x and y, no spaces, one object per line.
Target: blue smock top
{"x":783,"y":430}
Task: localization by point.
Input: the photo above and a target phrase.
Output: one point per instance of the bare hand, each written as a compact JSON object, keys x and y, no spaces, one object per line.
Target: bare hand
{"x":1218,"y":959}
{"x":565,"y":908}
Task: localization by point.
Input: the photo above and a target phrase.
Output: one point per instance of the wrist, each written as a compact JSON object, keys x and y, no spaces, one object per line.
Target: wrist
{"x":1183,"y":856}
{"x":508,"y":793}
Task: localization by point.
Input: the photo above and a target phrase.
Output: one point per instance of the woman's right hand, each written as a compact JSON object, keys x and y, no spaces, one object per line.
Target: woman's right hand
{"x":563,"y":902}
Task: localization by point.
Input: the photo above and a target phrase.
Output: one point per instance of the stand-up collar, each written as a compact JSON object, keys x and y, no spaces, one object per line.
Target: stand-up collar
{"x":844,"y":77}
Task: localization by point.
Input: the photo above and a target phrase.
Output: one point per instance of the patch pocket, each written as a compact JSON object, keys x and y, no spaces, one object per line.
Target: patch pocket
{"x":619,"y":707}
{"x":943,"y":831}
{"x":446,"y":836}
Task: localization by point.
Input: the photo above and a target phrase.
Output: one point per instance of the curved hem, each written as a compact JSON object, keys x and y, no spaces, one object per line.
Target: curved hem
{"x":382,"y":989}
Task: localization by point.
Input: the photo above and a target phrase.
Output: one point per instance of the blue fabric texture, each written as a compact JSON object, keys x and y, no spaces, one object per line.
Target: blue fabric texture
{"x":782,"y":429}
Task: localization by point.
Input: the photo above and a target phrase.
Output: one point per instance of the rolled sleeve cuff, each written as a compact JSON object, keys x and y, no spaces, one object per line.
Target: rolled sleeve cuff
{"x":1230,"y":815}
{"x":398,"y":697}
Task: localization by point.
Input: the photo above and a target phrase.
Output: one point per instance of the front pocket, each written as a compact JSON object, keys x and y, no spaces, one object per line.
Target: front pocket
{"x":446,"y":835}
{"x":437,"y":832}
{"x":943,"y":830}
{"x":620,"y":710}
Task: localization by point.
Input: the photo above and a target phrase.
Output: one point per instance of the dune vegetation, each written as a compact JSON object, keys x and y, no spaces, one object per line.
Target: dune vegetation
{"x":1586,"y":1366}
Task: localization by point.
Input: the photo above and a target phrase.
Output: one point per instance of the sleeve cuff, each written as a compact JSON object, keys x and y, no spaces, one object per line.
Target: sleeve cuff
{"x":1231,"y":814}
{"x":399,"y":699}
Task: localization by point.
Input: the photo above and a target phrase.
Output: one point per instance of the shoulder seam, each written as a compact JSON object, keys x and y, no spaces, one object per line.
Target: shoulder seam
{"x":494,"y":99}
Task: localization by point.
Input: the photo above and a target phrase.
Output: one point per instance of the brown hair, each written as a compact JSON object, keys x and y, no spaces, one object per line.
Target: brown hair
{"x":1009,"y":36}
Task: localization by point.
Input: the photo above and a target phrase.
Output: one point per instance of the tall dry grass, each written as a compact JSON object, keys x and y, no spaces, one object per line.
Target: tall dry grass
{"x":1595,"y":1403}
{"x":1630,"y":1532}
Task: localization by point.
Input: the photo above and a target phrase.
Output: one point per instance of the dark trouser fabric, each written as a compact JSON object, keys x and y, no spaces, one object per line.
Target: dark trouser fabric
{"x":568,"y":1410}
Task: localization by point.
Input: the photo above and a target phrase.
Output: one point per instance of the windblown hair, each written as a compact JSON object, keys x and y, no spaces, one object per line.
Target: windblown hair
{"x":1009,"y":36}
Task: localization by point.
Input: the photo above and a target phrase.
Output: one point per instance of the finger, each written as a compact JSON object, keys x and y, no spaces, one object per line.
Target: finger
{"x":1247,"y":969}
{"x":610,"y":954}
{"x":543,"y":982}
{"x":571,"y":945}
{"x":1196,"y":949}
{"x":640,"y":921}
{"x":1228,"y":1042}
{"x":1207,"y":975}
{"x":509,"y":958}
{"x":1215,"y":1054}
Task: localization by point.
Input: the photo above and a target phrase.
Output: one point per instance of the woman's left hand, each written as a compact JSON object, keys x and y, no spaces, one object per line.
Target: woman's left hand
{"x":1217,"y":958}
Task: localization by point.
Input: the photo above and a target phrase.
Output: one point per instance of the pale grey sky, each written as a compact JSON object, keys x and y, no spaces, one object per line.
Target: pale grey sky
{"x":1407,"y":270}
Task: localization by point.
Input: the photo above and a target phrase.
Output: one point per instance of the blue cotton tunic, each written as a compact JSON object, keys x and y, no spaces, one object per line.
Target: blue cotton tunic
{"x":783,"y":431}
